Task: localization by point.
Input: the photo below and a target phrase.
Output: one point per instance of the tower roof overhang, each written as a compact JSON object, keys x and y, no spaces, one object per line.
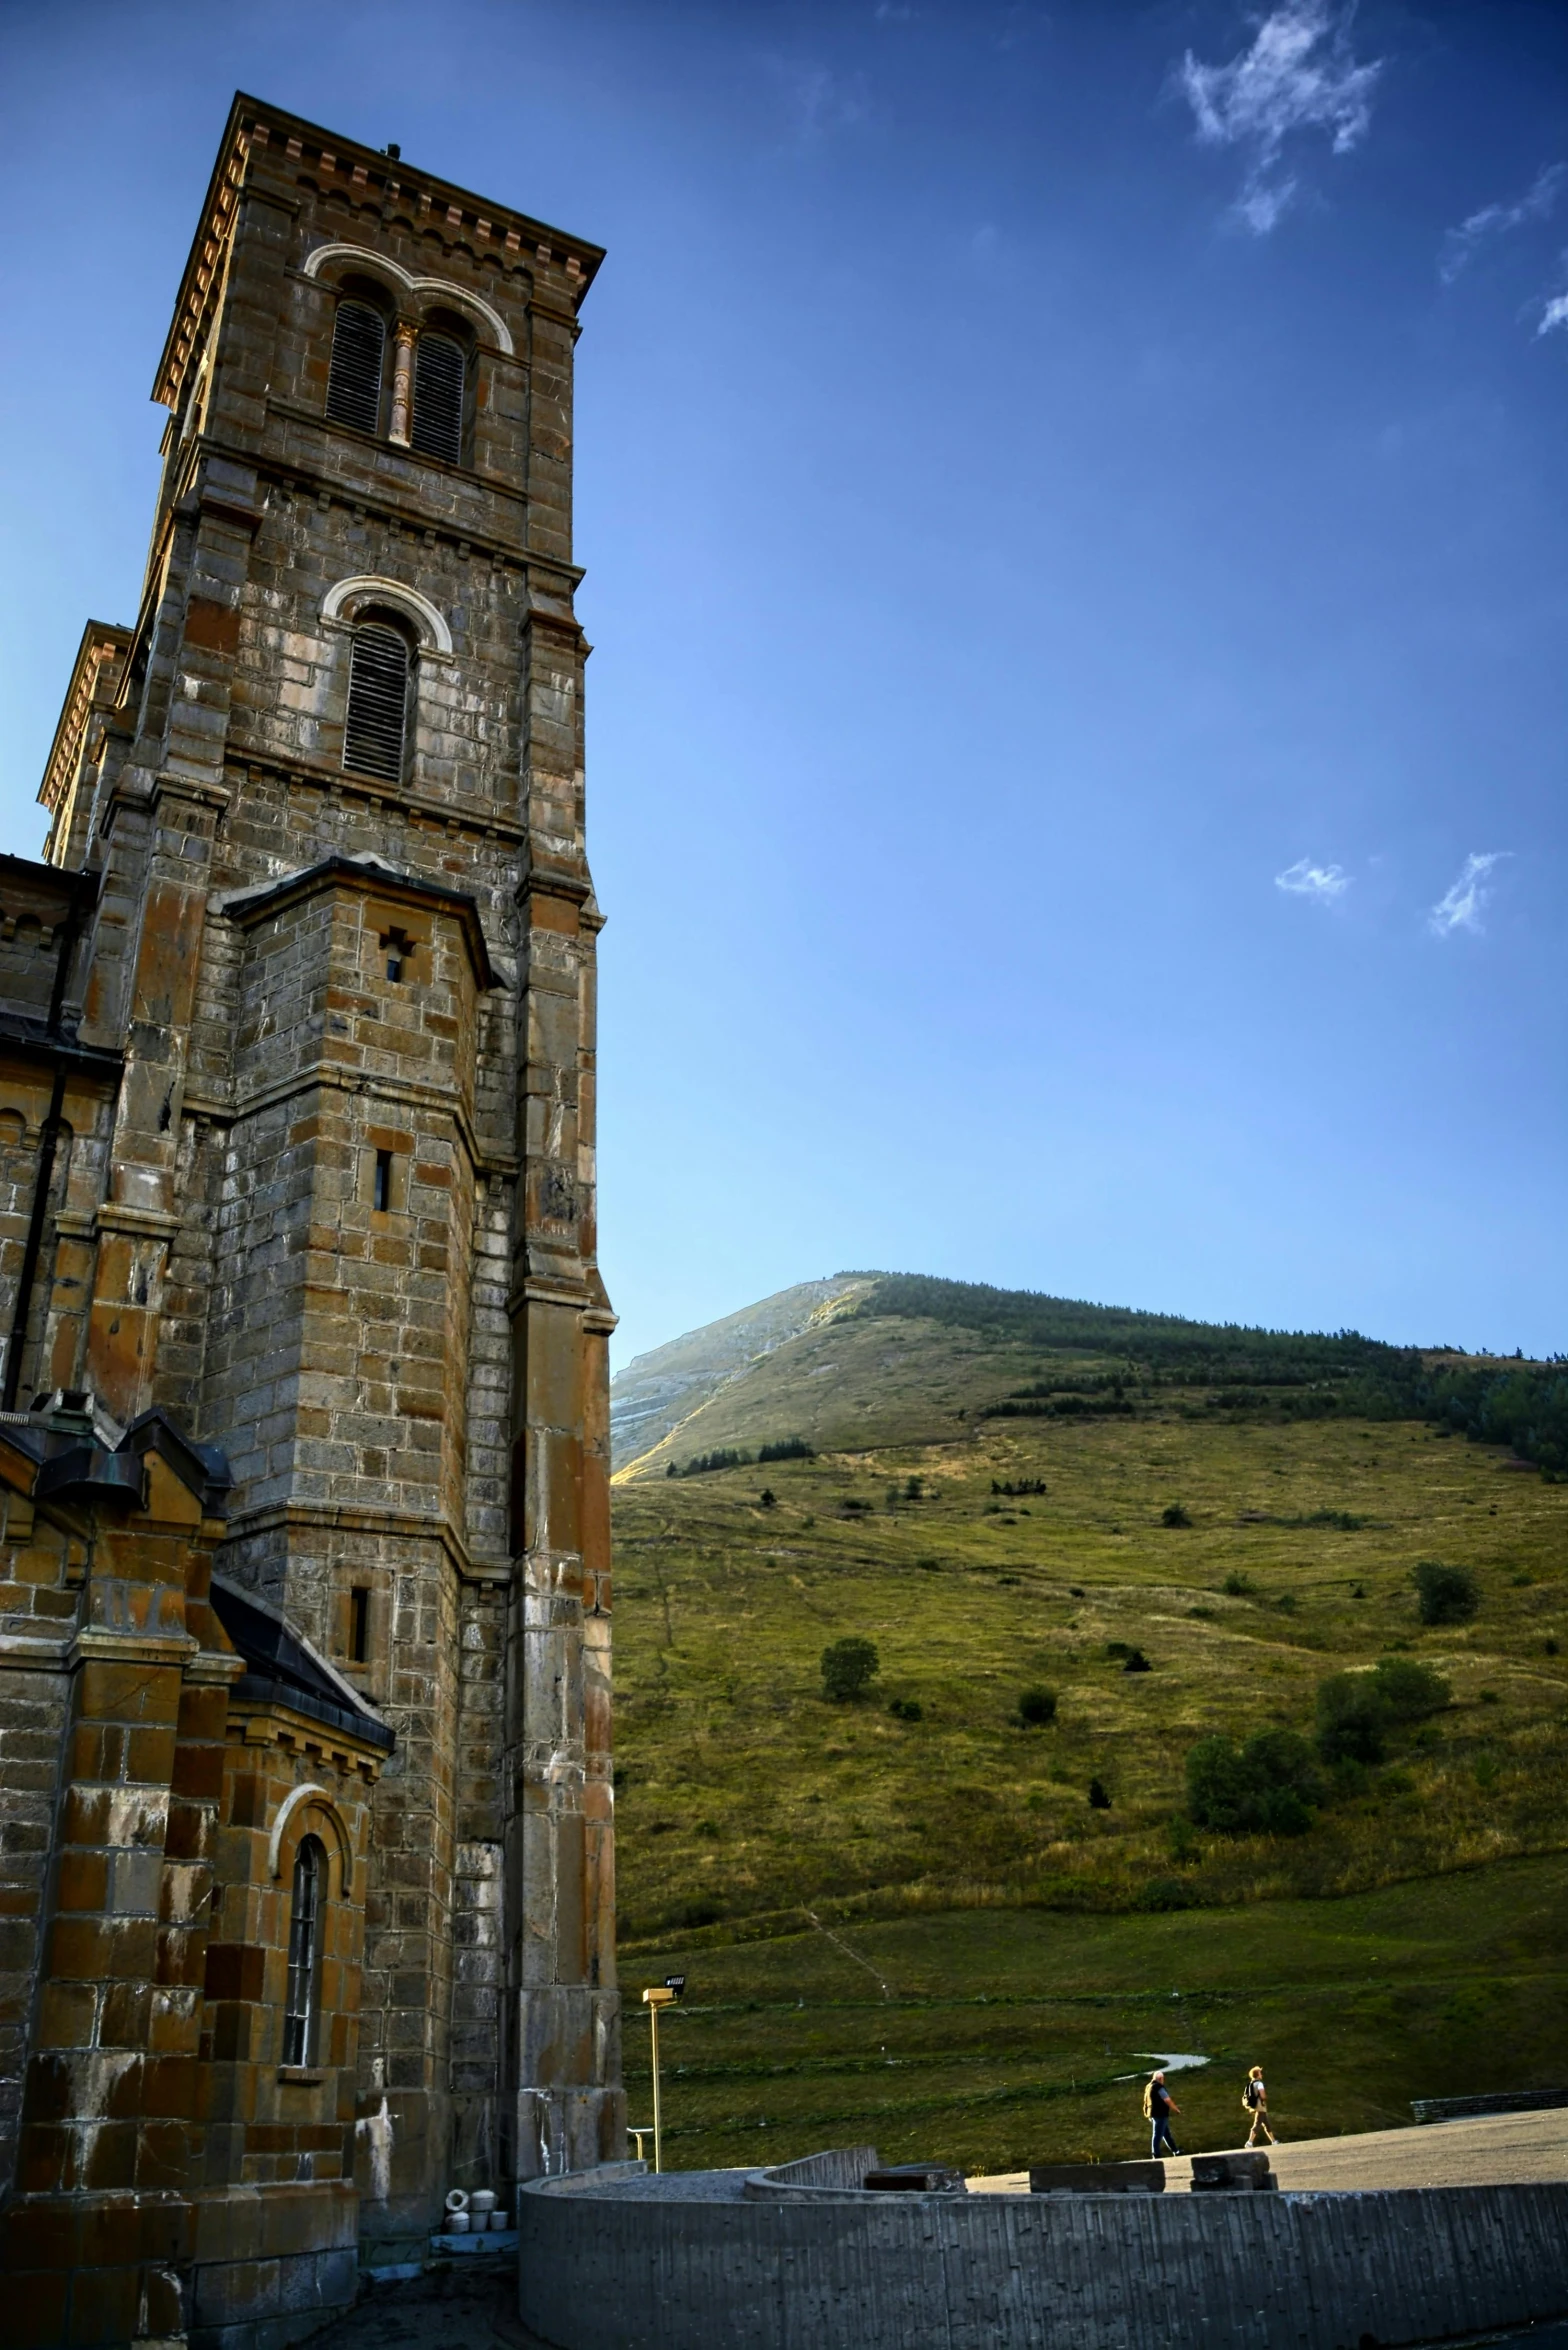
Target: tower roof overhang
{"x":252,"y":120}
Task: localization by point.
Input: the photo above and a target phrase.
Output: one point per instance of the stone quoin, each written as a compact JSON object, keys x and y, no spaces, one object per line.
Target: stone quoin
{"x":304,"y":1446}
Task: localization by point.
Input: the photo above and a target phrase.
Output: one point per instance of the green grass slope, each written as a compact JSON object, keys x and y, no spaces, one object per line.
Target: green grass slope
{"x":997,"y":2038}
{"x":758,"y":1822}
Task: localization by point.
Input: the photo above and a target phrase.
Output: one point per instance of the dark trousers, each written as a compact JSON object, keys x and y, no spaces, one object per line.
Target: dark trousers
{"x":1162,"y":2129}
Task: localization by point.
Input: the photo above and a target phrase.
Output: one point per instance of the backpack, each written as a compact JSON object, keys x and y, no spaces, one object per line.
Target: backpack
{"x":1252,"y":2096}
{"x":1148,"y":2101}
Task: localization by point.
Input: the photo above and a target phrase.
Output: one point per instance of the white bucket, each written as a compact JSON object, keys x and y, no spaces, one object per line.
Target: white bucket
{"x":482,"y":2199}
{"x":458,"y":2200}
{"x":457,"y":2223}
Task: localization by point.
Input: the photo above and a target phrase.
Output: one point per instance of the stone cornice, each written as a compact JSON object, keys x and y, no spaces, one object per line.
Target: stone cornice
{"x":561,"y":267}
{"x":373,"y":497}
{"x":337,"y":871}
{"x":317,"y":775}
{"x":353,"y":1518}
{"x":485,"y":1159}
{"x":272,"y":1721}
{"x":21,"y":1653}
{"x":91,"y":1647}
{"x":101,"y":652}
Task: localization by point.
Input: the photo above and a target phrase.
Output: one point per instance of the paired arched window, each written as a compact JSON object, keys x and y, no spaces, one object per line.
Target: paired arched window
{"x":359,"y":350}
{"x":440,"y":366}
{"x":302,"y":2008}
{"x":430,"y":381}
{"x":376,"y":729}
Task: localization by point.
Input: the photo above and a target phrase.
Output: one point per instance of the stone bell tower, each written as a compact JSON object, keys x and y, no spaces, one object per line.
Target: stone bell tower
{"x":319,"y":1186}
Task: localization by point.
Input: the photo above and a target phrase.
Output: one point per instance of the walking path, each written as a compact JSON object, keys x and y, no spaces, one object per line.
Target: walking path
{"x":1498,"y":2150}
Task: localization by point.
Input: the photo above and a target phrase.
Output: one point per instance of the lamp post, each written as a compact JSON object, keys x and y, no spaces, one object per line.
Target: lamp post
{"x":656,"y":1996}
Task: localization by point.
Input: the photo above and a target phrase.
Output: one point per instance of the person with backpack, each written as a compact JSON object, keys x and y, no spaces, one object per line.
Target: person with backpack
{"x":1158,"y":2106}
{"x":1255,"y":2102}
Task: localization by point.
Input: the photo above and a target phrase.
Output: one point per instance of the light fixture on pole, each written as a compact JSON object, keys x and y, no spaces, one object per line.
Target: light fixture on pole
{"x":656,"y":1996}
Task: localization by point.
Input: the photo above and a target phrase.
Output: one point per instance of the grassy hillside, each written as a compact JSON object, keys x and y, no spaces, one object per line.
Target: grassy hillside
{"x":658,"y":1391}
{"x":752,"y":1811}
{"x":994,"y":2038}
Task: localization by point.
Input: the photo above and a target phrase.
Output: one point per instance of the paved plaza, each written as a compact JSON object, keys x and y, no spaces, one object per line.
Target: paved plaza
{"x":1498,"y":2150}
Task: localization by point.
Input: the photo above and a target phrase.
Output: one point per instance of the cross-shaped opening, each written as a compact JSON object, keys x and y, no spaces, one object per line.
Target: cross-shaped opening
{"x":398,"y":949}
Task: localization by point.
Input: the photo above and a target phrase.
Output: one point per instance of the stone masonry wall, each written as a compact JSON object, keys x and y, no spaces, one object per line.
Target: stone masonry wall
{"x":412,"y":1397}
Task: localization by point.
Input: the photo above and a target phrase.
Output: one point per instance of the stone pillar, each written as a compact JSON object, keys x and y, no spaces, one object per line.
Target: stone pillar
{"x":402,"y":382}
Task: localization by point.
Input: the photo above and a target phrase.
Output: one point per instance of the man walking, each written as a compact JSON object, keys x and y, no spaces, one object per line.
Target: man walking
{"x":1158,"y":2106}
{"x":1255,"y":2101}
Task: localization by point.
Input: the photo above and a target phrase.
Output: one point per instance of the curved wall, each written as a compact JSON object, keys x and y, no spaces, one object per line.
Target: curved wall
{"x":624,"y":2261}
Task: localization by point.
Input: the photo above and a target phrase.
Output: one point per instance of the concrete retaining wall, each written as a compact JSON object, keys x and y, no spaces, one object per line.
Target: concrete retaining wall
{"x":621,"y":2262}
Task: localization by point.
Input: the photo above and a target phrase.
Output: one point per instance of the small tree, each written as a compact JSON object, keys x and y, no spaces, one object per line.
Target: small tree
{"x":1174,"y":1515}
{"x":1446,"y":1595}
{"x":1037,"y":1707}
{"x":767,"y":1499}
{"x":1267,"y":1787}
{"x":1352,"y":1718}
{"x":1410,"y":1691}
{"x":1099,"y":1795}
{"x":848,"y":1669}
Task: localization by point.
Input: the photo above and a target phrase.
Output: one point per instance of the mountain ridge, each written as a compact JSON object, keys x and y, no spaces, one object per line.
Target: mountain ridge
{"x":865,"y":1358}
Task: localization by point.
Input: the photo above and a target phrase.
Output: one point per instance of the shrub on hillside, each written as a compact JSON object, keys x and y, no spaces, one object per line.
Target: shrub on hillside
{"x":848,"y":1669}
{"x":1410,"y":1691}
{"x":1445,"y":1595}
{"x":1099,"y":1795}
{"x":1174,"y":1515}
{"x":1036,"y":1707}
{"x":1163,"y":1893}
{"x":1353,"y":1718}
{"x":1237,"y":1585}
{"x":905,"y":1709}
{"x":1267,"y":1787}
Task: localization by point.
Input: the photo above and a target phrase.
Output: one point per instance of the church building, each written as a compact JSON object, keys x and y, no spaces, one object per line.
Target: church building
{"x":307,"y":1856}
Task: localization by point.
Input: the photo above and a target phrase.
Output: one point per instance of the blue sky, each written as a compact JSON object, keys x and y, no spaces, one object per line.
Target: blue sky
{"x":1073,"y":503}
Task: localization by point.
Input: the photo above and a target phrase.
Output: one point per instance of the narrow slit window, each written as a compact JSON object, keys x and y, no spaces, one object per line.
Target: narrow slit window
{"x":439,"y":371}
{"x":399,"y":954}
{"x":381,"y":1184}
{"x":304,"y":1988}
{"x":377,"y":703}
{"x":359,"y":344}
{"x":359,"y":1625}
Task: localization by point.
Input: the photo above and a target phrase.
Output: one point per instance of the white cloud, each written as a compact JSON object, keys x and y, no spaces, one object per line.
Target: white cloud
{"x":817,"y":100}
{"x":1495,"y":220}
{"x":1461,"y":906}
{"x":1298,"y":75}
{"x":1324,"y":883}
{"x":1555,"y":314}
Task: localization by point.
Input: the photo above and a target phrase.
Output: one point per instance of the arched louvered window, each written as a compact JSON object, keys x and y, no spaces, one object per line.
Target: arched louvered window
{"x":359,"y":342}
{"x":302,"y":2008}
{"x":377,"y":702}
{"x":439,"y":366}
